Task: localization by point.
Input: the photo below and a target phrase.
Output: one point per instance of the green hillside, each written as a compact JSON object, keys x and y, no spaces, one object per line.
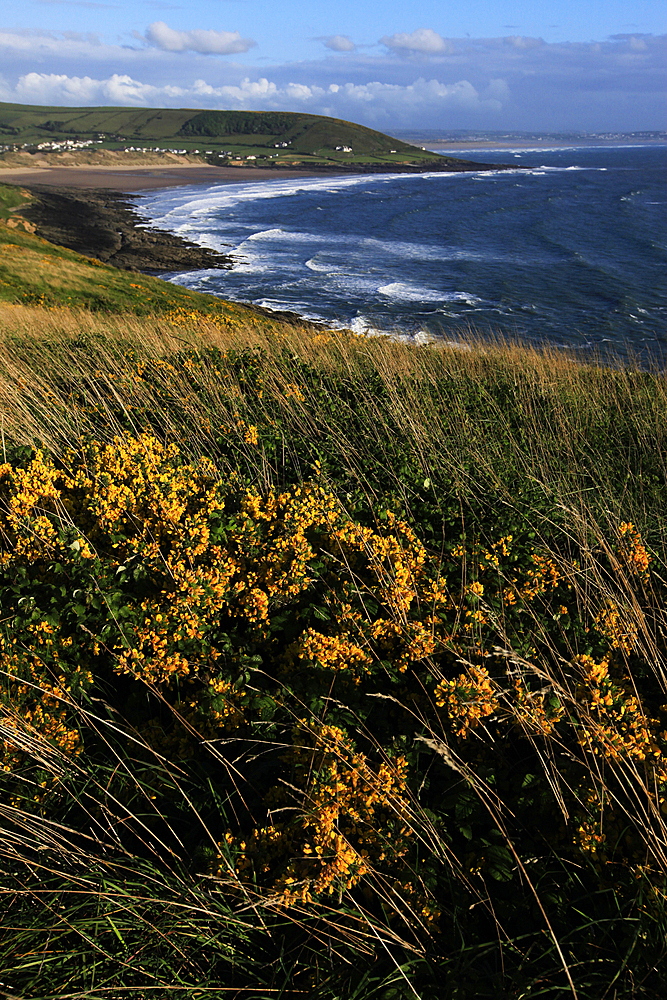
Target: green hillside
{"x":275,"y":135}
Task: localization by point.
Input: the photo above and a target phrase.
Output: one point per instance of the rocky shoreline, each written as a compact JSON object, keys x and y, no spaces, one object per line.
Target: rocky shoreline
{"x":106,"y":225}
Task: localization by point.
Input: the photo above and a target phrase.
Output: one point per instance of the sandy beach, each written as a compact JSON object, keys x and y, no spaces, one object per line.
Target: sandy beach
{"x":134,"y":178}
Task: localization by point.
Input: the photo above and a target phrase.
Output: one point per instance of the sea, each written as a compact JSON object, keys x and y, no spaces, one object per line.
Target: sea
{"x":568,"y":249}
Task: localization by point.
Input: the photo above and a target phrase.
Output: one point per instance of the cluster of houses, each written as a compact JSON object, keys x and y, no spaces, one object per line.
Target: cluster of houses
{"x":71,"y":144}
{"x":51,"y":145}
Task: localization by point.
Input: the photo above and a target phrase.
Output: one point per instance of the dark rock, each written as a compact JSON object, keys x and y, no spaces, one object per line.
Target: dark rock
{"x":106,"y":225}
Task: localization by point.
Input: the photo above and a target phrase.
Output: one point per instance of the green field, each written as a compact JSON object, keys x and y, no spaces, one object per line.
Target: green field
{"x":309,"y":138}
{"x":331,"y":666}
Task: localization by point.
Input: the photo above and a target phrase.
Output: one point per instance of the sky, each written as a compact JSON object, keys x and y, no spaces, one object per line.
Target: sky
{"x":553,"y":65}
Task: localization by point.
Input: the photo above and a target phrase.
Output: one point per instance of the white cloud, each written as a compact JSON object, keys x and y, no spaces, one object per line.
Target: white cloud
{"x":523,"y":42}
{"x":339,"y":43}
{"x":39,"y":45}
{"x":57,"y":88}
{"x":37,"y":87}
{"x":498,"y":90}
{"x":509,"y":83}
{"x":389,"y":98}
{"x":245,"y":94}
{"x":424,"y":41}
{"x":204,"y":41}
{"x":380,"y":101}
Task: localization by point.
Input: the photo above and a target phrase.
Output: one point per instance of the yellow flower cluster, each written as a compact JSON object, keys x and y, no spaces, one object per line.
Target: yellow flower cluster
{"x":468,"y":699}
{"x":205,"y":568}
{"x":537,"y":712}
{"x":34,"y":709}
{"x":615,"y":627}
{"x":632,"y":552}
{"x":543,"y":576}
{"x":617,"y":726}
{"x":350,"y":818}
{"x":250,"y":435}
{"x":292,"y":391}
{"x":28,"y":497}
{"x":334,"y":652}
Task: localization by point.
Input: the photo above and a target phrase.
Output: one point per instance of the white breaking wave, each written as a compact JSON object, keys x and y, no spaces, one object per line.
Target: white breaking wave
{"x":177,"y":207}
{"x":320,"y":267}
{"x":167,"y":206}
{"x":413,"y":293}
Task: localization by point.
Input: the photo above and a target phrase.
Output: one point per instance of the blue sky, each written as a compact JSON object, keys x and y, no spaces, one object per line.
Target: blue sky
{"x":479,"y":64}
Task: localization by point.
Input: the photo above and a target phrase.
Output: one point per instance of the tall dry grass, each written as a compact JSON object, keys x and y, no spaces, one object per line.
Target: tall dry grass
{"x":486,"y":415}
{"x":480,"y":439}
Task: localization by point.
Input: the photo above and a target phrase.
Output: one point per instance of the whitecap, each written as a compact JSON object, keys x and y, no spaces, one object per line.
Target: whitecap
{"x":266,"y":234}
{"x":318,"y":266}
{"x":409,"y":293}
{"x":405,"y":292}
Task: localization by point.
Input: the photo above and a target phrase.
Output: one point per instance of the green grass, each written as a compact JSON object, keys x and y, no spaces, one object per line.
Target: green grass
{"x":533,"y":809}
{"x":312,"y":138}
{"x":11,"y":198}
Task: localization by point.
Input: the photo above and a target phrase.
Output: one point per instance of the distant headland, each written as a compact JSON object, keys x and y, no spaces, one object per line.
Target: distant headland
{"x":133,"y":148}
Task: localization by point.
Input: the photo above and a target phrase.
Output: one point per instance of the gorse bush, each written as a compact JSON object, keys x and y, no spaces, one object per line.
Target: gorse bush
{"x":314,"y":732}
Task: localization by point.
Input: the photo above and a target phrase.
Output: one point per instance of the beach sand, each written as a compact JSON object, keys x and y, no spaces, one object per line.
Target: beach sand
{"x":134,"y":178}
{"x":120,"y":177}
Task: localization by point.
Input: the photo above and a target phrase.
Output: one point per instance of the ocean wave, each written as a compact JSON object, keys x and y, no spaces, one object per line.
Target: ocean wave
{"x":405,"y":292}
{"x":266,"y":234}
{"x":320,"y":267}
{"x":173,"y":207}
{"x":169,"y":204}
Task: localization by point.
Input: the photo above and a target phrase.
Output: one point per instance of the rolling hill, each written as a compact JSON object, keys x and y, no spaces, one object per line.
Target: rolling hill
{"x":266,"y":135}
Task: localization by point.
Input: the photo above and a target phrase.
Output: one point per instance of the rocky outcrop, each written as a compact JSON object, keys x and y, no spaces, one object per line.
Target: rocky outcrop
{"x":106,"y":225}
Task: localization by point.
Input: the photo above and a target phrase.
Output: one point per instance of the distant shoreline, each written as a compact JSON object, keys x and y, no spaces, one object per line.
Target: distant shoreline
{"x":451,"y":146}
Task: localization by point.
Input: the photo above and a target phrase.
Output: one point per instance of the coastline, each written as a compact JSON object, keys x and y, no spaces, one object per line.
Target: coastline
{"x":92,"y":209}
{"x":134,"y":177}
{"x":105,"y":225}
